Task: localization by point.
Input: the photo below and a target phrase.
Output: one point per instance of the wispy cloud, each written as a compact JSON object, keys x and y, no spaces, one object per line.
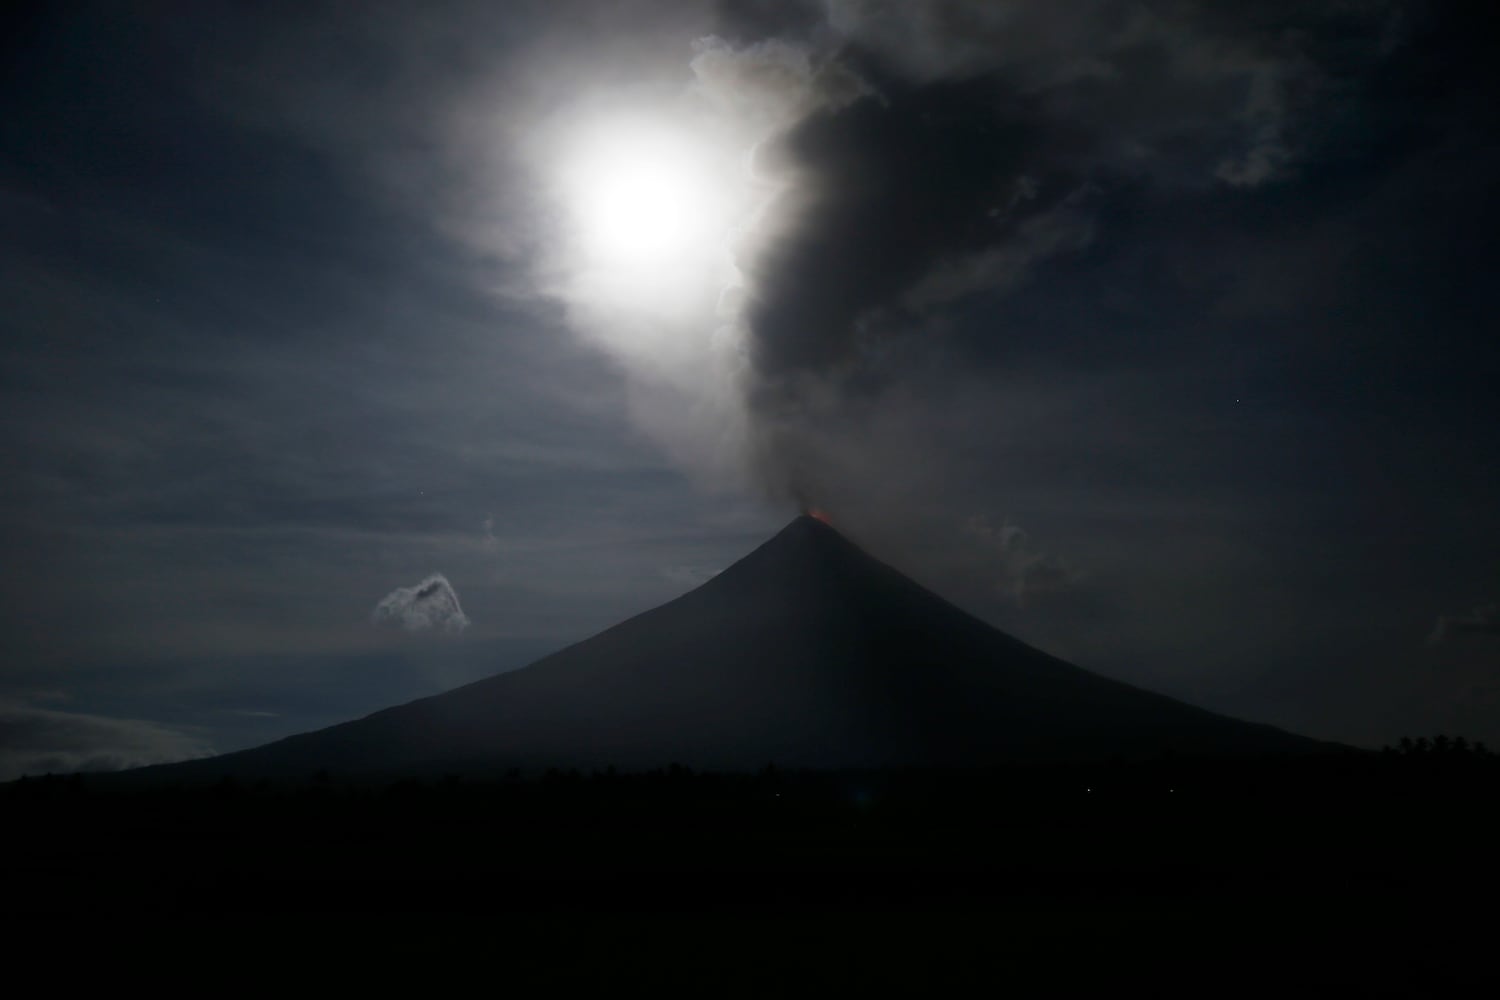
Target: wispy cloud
{"x":1023,"y":568}
{"x":41,"y":741}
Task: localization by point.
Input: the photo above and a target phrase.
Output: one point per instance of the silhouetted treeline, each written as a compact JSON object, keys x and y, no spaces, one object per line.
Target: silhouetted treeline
{"x":1439,"y":746}
{"x":1437,"y":766}
{"x":1183,"y":866}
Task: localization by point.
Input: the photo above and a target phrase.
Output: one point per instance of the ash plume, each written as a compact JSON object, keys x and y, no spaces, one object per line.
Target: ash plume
{"x":978,"y":144}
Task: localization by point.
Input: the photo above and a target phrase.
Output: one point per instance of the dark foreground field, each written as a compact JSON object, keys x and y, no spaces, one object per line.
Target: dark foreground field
{"x":1358,"y":873}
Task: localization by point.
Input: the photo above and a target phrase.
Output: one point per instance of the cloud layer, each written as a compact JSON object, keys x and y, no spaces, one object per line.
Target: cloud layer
{"x":36,"y":741}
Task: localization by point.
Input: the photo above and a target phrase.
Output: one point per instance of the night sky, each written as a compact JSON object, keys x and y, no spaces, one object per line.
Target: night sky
{"x":351,"y":352}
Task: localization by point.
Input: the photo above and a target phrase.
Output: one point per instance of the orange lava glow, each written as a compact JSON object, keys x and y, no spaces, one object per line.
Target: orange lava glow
{"x":821,"y":515}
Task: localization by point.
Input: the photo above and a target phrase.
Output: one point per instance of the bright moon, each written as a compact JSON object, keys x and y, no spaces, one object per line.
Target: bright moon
{"x":647,"y":198}
{"x":650,"y":206}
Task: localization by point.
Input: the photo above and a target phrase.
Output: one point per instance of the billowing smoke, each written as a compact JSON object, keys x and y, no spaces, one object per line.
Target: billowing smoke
{"x":978,"y":143}
{"x":430,"y":606}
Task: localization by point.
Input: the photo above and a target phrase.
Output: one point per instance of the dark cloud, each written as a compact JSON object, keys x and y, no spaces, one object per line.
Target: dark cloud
{"x":879,"y":194}
{"x":991,"y":138}
{"x":1484,"y":621}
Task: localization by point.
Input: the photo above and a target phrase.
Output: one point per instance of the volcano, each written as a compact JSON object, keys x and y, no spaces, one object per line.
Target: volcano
{"x":808,"y":652}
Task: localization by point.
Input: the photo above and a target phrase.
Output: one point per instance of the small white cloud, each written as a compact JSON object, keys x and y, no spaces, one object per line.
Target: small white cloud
{"x":430,"y":606}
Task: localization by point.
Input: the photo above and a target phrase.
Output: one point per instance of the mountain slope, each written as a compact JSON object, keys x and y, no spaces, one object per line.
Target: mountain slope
{"x":807,"y":652}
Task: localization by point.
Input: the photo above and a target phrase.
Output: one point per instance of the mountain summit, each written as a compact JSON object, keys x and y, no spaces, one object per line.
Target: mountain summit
{"x":808,"y":652}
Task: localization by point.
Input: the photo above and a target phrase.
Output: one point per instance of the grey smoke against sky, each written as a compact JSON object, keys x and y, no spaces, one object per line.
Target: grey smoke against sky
{"x":985,"y":139}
